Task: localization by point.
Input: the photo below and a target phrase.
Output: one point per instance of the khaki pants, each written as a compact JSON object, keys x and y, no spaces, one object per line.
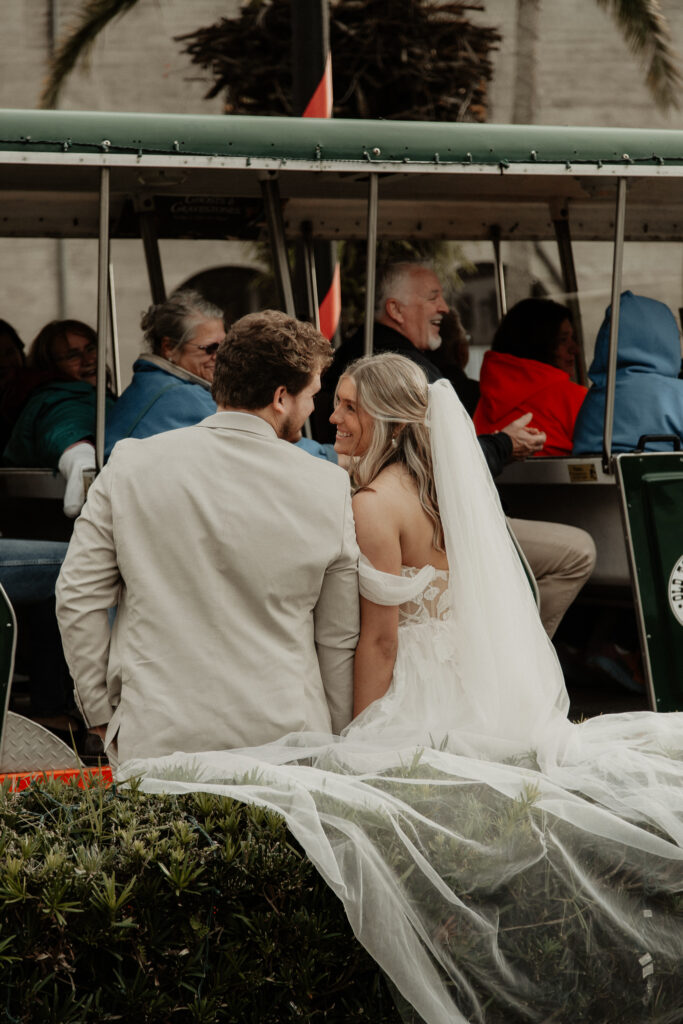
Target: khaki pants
{"x":561,"y":558}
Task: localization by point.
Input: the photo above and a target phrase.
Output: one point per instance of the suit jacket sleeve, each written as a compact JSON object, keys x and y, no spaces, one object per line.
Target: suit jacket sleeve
{"x":87,"y":587}
{"x":497,"y":449}
{"x":337,"y":623}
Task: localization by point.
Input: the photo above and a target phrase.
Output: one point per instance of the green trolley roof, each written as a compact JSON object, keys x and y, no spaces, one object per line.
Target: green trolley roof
{"x":299,"y":139}
{"x":202,"y":176}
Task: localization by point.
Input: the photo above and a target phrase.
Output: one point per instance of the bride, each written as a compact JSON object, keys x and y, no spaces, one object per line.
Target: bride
{"x":498,"y":862}
{"x":460,"y":653}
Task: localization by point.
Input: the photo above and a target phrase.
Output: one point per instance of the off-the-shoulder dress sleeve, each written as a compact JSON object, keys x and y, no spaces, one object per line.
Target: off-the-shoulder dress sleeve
{"x":386,"y":589}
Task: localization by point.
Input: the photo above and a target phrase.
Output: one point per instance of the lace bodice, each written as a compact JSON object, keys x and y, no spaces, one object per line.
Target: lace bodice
{"x":434,"y":602}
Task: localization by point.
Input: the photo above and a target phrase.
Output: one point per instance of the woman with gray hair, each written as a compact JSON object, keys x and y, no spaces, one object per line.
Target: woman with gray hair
{"x":171,"y":384}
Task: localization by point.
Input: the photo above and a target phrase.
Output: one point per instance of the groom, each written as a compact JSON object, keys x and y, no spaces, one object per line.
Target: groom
{"x":232,"y":558}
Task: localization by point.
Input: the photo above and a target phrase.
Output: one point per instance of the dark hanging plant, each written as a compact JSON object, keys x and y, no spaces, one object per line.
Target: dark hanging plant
{"x":404,"y":59}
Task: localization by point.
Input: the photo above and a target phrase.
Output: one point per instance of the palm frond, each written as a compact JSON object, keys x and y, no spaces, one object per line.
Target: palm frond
{"x":93,"y":17}
{"x":647,"y":33}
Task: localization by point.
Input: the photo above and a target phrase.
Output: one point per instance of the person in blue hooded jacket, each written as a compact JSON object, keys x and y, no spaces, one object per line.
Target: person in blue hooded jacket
{"x":171,"y":385}
{"x":649,"y":395}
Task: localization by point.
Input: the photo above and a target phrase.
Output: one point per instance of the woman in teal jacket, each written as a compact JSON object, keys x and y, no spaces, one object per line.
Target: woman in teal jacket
{"x":56,"y":427}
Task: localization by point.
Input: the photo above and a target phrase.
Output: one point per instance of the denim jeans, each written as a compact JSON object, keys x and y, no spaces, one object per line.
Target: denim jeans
{"x":28,"y":573}
{"x":29,"y":568}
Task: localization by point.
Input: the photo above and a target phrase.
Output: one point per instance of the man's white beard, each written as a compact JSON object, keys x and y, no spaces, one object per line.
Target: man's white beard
{"x":434,"y":343}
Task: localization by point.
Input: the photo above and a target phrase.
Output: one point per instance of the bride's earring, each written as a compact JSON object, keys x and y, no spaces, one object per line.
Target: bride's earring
{"x":394,"y":443}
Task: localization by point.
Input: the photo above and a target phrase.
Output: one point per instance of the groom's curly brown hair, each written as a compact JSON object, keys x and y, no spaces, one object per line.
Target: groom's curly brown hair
{"x":263,"y":351}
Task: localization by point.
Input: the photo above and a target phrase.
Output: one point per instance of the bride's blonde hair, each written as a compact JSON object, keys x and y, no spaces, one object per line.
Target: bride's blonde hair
{"x":394,"y":392}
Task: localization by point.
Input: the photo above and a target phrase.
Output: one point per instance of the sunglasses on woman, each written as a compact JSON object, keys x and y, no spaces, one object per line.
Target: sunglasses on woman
{"x":209,"y":350}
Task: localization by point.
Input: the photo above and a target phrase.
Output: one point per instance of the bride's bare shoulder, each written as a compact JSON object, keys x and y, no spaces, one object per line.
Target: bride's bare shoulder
{"x":378,"y":522}
{"x":392,"y":487}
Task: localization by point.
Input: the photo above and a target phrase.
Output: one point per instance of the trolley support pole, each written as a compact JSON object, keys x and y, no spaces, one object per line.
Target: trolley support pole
{"x":310,"y":273}
{"x":155,"y":272}
{"x":501,"y":298}
{"x":371,"y":254}
{"x":114,"y":328}
{"x":617,"y":262}
{"x":102,"y":317}
{"x":566,"y":254}
{"x":276,"y":230}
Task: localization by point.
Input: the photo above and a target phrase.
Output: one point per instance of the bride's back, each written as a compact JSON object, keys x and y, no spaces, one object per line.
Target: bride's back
{"x":394,"y":529}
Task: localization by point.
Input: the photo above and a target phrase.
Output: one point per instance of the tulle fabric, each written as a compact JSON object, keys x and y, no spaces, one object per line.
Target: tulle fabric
{"x":384,"y":588}
{"x":499,"y":863}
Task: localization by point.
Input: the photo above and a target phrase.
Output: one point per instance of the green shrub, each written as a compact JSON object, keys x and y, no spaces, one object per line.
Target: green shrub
{"x":125,"y":906}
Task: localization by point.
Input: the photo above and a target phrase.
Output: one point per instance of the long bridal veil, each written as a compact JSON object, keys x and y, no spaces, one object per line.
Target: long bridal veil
{"x":508,"y":865}
{"x":514,"y":691}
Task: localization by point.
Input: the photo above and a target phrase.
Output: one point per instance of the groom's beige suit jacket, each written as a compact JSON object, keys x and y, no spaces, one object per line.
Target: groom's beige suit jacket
{"x":232,"y":558}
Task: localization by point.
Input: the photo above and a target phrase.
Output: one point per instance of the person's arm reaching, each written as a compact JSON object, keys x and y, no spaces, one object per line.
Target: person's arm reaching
{"x":497,"y":449}
{"x":336,"y":623}
{"x":516,"y":441}
{"x":87,"y":587}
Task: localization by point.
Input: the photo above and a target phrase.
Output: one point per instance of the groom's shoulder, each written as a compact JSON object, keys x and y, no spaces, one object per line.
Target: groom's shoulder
{"x":324,"y":483}
{"x":266,"y":453}
{"x":307,"y":464}
{"x":143,"y":449}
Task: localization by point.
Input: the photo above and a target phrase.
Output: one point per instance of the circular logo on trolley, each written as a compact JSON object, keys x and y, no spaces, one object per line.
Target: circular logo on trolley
{"x":676,"y":590}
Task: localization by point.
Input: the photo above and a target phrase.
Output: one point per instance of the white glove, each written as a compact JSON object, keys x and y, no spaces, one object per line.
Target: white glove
{"x":72,"y":464}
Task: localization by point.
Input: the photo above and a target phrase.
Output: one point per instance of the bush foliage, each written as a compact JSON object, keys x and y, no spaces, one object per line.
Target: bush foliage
{"x":120,"y":906}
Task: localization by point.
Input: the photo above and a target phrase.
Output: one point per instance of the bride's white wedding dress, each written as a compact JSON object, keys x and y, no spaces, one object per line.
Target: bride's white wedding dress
{"x":498,"y":862}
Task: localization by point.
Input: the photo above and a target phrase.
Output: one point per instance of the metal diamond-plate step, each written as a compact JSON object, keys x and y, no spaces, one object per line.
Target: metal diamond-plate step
{"x":27,"y":746}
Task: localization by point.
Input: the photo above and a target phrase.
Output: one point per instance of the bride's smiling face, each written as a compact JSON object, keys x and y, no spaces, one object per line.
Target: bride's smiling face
{"x":354,"y":425}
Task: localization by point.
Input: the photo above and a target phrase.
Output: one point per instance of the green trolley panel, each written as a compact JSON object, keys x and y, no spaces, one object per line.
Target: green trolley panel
{"x":651,"y":486}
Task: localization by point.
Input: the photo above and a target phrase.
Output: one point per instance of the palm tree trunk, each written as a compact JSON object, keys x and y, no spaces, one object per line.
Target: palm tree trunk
{"x":524,"y":102}
{"x":526,"y":62}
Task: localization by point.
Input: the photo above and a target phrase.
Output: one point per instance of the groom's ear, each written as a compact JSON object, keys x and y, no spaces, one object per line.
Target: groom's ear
{"x":279,"y":398}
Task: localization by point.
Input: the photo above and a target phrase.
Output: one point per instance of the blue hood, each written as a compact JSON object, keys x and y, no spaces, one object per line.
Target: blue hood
{"x":648,"y":340}
{"x":648,"y":396}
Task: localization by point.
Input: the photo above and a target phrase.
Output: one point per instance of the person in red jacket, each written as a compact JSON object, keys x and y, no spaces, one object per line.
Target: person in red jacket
{"x":528,"y":370}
